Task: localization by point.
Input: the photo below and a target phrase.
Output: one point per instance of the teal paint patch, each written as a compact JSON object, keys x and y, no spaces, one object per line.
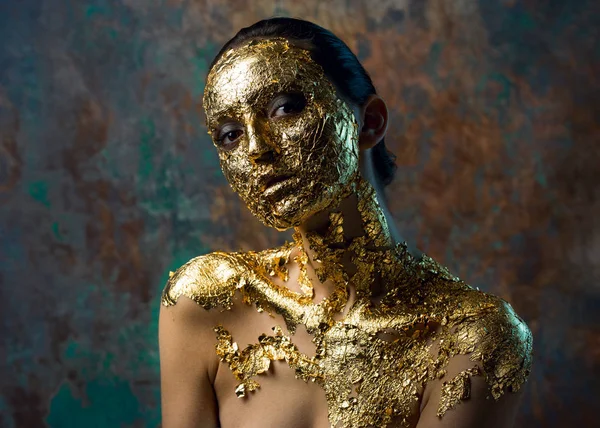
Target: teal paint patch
{"x":210,"y":161}
{"x":148,"y":134}
{"x":540,"y":175}
{"x":435,"y":52}
{"x":71,"y":350}
{"x":38,"y":190}
{"x":200,"y":67}
{"x":105,"y":401}
{"x":143,"y":359}
{"x":112,"y":33}
{"x":433,"y":61}
{"x":56,"y":231}
{"x":525,"y":20}
{"x":101,"y":9}
{"x":174,"y":17}
{"x":167,"y":194}
{"x":108,"y":403}
{"x":506,"y":84}
{"x":95,"y":362}
{"x":109,"y":161}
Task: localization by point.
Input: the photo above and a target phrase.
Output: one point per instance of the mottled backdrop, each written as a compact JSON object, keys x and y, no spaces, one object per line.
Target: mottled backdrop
{"x":108,"y":180}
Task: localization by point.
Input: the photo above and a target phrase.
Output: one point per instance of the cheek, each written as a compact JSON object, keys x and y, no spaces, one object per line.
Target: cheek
{"x":236,"y":168}
{"x":306,"y":138}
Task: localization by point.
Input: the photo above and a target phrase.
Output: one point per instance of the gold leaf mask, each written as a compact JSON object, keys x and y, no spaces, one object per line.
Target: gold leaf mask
{"x":288,"y":145}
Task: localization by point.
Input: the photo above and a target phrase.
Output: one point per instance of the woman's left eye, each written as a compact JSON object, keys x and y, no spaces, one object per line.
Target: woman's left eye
{"x":285,"y":109}
{"x":289,"y":104}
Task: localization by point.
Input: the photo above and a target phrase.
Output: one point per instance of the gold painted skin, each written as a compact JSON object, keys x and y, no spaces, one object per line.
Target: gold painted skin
{"x":317,"y":146}
{"x":374,"y":362}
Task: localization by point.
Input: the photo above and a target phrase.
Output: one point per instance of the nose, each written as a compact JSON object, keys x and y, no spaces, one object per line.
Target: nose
{"x":259,"y":149}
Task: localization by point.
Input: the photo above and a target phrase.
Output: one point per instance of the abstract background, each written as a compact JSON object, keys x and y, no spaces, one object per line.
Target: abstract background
{"x":108,"y":180}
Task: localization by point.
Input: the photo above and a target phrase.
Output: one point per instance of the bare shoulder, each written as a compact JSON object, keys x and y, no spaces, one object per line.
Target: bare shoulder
{"x":188,"y":366}
{"x":483,"y":350}
{"x":497,"y":338}
{"x":486,"y":354}
{"x":209,"y":280}
{"x":479,"y":324}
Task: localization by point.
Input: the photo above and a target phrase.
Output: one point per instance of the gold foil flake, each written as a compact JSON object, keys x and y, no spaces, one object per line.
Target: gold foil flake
{"x":374,"y":222}
{"x":456,"y":390}
{"x":374,"y":361}
{"x":245,"y":364}
{"x":276,"y":263}
{"x":256,"y":359}
{"x":335,"y":234}
{"x":303,"y":280}
{"x":209,"y":280}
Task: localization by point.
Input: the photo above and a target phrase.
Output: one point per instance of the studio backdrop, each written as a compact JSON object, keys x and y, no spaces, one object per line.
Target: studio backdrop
{"x":108,"y":180}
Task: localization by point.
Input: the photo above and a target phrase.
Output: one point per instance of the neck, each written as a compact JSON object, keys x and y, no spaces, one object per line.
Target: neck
{"x":350,"y":250}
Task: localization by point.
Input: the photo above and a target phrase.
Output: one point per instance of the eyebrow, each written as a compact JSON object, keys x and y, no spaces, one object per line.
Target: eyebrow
{"x":224,"y":112}
{"x":253,"y":97}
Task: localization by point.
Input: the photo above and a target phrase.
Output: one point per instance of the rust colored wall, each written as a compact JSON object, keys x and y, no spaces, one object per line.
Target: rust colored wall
{"x":108,"y":180}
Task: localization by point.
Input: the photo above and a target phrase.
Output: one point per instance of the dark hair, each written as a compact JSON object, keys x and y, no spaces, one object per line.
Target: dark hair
{"x":339,"y":64}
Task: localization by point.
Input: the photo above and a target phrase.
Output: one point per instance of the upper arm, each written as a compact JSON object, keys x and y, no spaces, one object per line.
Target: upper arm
{"x":478,"y":410}
{"x":188,"y":361}
{"x":187,"y":366}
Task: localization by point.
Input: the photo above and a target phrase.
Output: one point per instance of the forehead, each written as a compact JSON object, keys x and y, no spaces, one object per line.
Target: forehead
{"x":260,"y":69}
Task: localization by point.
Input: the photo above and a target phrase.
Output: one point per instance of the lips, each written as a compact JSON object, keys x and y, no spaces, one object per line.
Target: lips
{"x":275,"y":180}
{"x":273,"y":185}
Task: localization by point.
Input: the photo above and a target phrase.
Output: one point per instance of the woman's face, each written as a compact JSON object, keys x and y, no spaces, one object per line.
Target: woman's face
{"x":288,"y":145}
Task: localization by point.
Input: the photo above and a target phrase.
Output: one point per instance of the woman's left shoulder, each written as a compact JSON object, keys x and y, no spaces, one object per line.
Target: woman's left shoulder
{"x":480,"y":324}
{"x":487,"y":327}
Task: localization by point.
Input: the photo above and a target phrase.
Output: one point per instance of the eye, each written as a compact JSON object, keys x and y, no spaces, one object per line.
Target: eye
{"x":228,"y":136}
{"x":287,"y":104}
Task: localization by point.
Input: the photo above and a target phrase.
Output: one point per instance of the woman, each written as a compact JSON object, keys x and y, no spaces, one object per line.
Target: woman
{"x":345,"y":326}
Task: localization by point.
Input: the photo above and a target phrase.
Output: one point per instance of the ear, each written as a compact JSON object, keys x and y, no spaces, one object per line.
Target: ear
{"x":374,"y":122}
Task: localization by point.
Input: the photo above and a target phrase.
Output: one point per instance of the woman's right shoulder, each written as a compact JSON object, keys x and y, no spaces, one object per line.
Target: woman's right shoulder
{"x":209,"y":280}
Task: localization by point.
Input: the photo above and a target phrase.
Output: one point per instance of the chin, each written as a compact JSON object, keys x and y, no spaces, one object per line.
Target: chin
{"x":279,"y":224}
{"x":282,"y":221}
{"x":292,"y":213}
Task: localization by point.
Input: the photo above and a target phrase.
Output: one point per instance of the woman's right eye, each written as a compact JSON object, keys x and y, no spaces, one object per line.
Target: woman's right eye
{"x":228,"y":137}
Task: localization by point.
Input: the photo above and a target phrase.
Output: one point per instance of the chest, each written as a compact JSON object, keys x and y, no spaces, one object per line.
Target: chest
{"x":272,"y":394}
{"x":350,"y":373}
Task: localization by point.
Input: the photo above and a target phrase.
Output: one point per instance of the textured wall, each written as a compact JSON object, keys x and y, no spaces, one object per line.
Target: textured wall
{"x":108,"y":180}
